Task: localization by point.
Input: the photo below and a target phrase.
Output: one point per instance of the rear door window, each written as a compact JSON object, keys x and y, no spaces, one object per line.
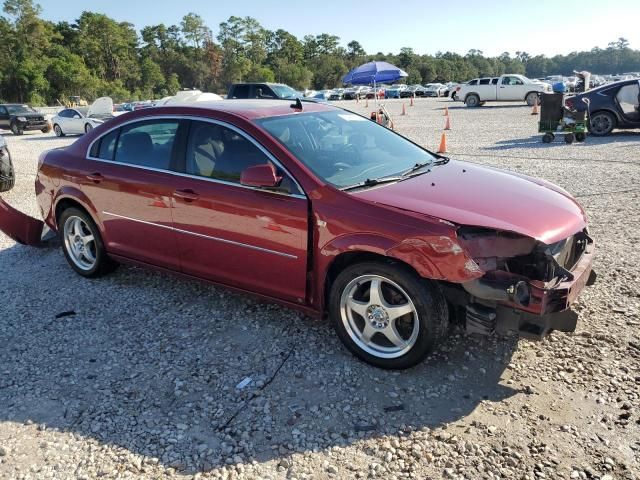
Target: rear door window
{"x":629,"y":99}
{"x":147,"y":144}
{"x":485,"y":81}
{"x":241,"y":91}
{"x":105,"y":147}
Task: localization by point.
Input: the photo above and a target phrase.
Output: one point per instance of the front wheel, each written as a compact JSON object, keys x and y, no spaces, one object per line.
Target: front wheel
{"x":82,"y":244}
{"x":386,"y":315}
{"x":88,"y":127}
{"x":58,"y":131}
{"x":531,"y":98}
{"x":16,"y":129}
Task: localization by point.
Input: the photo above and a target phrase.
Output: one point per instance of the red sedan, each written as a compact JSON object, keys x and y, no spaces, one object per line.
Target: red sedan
{"x":321,"y":210}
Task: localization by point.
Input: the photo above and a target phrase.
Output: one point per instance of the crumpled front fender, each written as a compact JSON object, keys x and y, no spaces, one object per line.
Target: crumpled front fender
{"x":19,"y":226}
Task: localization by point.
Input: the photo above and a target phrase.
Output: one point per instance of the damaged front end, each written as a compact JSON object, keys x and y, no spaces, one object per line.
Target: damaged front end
{"x":18,"y":226}
{"x":528,"y":286}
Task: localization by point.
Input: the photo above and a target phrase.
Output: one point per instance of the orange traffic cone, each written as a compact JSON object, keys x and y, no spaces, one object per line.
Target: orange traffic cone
{"x":447,"y":124}
{"x":411,"y":104}
{"x":446,"y":111}
{"x":535,"y":107}
{"x":443,"y":143}
{"x":404,"y":109}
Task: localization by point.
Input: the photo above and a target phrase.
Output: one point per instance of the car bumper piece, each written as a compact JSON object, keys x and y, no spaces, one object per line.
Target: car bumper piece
{"x":19,"y":226}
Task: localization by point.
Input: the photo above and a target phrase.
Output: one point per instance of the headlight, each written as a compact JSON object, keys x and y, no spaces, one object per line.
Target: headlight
{"x":22,"y":119}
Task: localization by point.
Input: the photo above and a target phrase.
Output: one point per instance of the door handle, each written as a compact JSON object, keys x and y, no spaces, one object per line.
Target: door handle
{"x":95,"y":177}
{"x":187,"y":195}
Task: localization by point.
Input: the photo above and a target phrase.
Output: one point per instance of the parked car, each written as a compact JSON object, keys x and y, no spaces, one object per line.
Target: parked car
{"x":7,"y":175}
{"x":377,"y":92}
{"x":611,"y":106}
{"x":19,"y":117}
{"x":262,"y":90}
{"x":413,"y":91}
{"x":449,"y":88}
{"x":354,"y":92}
{"x":336,"y":94}
{"x":506,"y":88}
{"x":394,"y":91}
{"x":81,"y":120}
{"x":321,"y":210}
{"x":434,"y":89}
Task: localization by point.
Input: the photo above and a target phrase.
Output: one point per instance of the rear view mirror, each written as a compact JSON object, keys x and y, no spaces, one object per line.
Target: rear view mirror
{"x":261,"y":176}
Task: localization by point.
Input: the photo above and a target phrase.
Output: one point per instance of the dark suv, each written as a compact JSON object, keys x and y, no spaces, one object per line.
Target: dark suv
{"x":19,"y":117}
{"x":615,"y":105}
{"x":262,"y":90}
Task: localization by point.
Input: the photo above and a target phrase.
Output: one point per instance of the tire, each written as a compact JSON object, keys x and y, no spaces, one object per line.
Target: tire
{"x":7,"y":174}
{"x":472,"y":100}
{"x":569,"y":138}
{"x":548,"y":137}
{"x":90,"y":261}
{"x":581,"y":136}
{"x":58,"y":131}
{"x":415,"y":333}
{"x":16,"y":129}
{"x":88,"y":127}
{"x":531,"y":98}
{"x":601,"y":124}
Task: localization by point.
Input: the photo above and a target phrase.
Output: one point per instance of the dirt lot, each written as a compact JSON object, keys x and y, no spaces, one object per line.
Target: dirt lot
{"x":134,"y":375}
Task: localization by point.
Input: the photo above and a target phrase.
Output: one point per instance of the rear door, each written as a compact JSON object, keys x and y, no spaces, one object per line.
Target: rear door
{"x":486,"y":90}
{"x":241,"y":236}
{"x":130,"y":182}
{"x":628,"y":98}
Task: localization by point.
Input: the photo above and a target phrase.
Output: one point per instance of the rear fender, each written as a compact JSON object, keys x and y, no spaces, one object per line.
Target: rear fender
{"x":75,"y":195}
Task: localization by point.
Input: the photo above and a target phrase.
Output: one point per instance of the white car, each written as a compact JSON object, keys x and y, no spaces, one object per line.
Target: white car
{"x":507,"y":88}
{"x":80,"y":120}
{"x":435,"y":89}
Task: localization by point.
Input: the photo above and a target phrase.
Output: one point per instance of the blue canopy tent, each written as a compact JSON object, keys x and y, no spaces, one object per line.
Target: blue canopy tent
{"x":372,"y":73}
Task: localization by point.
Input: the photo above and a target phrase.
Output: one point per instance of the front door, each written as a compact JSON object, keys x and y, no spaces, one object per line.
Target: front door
{"x":243,"y":237}
{"x":512,"y":88}
{"x":4,"y":118}
{"x":129,"y":180}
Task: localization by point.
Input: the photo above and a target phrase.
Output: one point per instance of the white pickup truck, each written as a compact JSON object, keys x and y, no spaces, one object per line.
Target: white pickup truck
{"x":507,"y":88}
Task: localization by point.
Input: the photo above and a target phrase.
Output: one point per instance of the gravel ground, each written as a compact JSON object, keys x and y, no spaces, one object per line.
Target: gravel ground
{"x":135,"y":375}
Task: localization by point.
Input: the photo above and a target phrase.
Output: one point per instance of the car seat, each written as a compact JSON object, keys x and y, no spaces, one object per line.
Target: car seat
{"x":136,"y":148}
{"x":205,"y":149}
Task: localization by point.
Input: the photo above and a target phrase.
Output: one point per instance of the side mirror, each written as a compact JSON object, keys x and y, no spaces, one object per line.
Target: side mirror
{"x":262,"y":176}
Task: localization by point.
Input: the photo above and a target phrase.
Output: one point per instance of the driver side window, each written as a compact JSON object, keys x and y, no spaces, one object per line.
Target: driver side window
{"x":220,"y":153}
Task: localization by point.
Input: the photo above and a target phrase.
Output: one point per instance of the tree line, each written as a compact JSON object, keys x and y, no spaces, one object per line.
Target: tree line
{"x":43,"y":62}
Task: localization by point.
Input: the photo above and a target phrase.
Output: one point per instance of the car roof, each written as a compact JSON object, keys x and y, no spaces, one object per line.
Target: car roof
{"x":254,"y":109}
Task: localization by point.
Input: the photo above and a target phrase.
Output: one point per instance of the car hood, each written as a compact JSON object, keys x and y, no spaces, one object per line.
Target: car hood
{"x":474,"y":195}
{"x":103,"y":106}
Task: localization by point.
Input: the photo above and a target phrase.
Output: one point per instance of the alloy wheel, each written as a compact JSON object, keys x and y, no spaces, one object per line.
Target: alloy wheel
{"x":80,"y":243}
{"x":379,"y":316}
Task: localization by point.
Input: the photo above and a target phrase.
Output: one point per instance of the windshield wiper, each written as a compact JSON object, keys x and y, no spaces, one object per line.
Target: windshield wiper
{"x":441,"y":160}
{"x":372,"y":182}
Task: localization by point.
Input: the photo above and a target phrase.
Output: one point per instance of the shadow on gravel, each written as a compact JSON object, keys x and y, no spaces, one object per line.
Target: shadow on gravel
{"x":151,"y":363}
{"x":535,"y":141}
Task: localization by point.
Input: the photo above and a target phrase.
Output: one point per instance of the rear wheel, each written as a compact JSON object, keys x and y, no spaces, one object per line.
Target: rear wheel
{"x":581,"y":136}
{"x":58,"y":131}
{"x":82,"y":244}
{"x":601,"y":124}
{"x":569,"y":138}
{"x":472,"y":100}
{"x":387,"y":315}
{"x":548,"y":137}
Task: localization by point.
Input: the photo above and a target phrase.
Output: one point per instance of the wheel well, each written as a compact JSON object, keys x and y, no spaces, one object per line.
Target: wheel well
{"x":605,"y":110}
{"x":470,"y":94}
{"x":347,"y":259}
{"x":532,"y":91}
{"x":68,"y":203}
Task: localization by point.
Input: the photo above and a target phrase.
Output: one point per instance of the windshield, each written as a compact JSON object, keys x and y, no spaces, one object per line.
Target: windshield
{"x":284,"y":91}
{"x":345,"y":149}
{"x":14,"y":109}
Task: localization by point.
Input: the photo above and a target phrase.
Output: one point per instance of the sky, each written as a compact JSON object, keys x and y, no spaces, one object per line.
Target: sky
{"x":534,"y":26}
